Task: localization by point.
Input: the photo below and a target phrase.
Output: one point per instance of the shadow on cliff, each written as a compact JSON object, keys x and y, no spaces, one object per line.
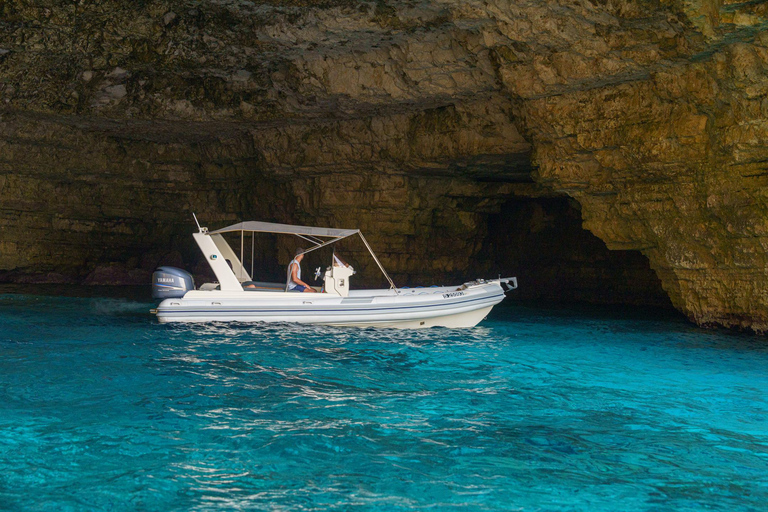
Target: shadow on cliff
{"x":542,"y":242}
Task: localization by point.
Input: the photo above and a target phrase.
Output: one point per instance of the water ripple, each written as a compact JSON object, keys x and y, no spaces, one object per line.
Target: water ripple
{"x":101,"y":408}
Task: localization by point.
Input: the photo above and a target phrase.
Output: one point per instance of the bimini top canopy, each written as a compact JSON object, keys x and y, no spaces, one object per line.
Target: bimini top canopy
{"x":308,"y":233}
{"x":287,"y":229}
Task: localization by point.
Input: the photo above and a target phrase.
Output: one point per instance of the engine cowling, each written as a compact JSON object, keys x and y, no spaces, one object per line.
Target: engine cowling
{"x":171,"y":283}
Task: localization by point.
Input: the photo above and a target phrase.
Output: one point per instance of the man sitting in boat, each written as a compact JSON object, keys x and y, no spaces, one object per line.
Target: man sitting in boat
{"x":295,"y":284}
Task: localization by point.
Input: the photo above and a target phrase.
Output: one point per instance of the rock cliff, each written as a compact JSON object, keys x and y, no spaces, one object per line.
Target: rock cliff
{"x":452,"y":132}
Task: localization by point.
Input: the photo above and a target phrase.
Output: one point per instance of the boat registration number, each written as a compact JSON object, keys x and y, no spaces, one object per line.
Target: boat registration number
{"x":451,"y":295}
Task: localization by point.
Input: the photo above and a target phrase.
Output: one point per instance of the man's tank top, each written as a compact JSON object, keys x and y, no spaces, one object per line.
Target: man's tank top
{"x":291,"y":283}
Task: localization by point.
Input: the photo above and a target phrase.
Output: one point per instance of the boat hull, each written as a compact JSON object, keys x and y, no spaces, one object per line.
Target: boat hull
{"x":412,"y":308}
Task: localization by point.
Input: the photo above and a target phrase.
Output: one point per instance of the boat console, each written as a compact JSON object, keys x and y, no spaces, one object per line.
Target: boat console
{"x":337,"y":280}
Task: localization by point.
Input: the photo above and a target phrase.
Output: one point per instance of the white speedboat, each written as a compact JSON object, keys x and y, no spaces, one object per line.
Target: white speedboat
{"x":236,"y":298}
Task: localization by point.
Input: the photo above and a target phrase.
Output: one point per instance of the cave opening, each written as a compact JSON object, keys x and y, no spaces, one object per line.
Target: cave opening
{"x":543,"y":243}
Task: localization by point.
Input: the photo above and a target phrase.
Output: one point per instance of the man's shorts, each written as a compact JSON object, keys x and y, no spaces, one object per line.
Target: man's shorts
{"x":299,"y":288}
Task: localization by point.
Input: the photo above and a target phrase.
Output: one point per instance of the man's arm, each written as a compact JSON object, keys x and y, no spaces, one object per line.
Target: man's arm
{"x":295,"y":278}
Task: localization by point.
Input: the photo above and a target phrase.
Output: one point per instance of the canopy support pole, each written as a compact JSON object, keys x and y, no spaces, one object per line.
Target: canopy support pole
{"x":329,"y":242}
{"x":381,"y":267}
{"x":242,"y":261}
{"x":310,"y":240}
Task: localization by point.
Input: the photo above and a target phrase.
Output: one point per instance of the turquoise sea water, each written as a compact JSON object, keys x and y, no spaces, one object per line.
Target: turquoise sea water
{"x":537,"y":409}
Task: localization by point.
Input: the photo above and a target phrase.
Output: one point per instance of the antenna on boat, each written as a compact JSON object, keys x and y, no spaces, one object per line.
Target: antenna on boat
{"x":198,"y":224}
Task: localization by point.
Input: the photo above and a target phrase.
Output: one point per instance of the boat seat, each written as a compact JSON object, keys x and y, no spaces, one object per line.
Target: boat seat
{"x":263,"y":286}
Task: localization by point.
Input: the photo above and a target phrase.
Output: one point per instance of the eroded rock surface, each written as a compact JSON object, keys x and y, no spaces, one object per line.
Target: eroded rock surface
{"x":419,"y":121}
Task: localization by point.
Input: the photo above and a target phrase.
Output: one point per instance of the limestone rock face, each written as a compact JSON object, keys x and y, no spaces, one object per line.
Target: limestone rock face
{"x":674,"y":165}
{"x":422,"y":122}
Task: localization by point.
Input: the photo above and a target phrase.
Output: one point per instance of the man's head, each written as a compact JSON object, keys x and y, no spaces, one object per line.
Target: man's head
{"x":299,"y":254}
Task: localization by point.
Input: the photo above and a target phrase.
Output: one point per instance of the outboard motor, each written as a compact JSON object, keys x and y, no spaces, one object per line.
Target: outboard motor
{"x":171,"y":283}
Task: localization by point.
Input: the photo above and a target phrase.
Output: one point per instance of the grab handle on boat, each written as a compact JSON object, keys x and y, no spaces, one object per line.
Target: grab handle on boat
{"x":508,"y":283}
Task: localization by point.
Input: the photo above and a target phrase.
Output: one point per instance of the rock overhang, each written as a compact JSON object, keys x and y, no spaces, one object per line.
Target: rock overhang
{"x":648,"y":117}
